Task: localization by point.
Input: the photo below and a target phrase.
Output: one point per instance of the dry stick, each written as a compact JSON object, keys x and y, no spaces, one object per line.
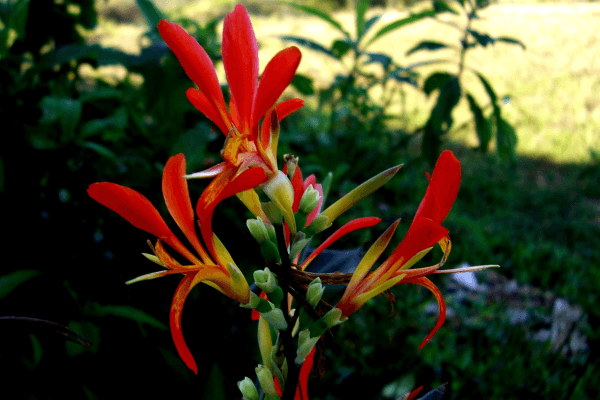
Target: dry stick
{"x":286,"y":336}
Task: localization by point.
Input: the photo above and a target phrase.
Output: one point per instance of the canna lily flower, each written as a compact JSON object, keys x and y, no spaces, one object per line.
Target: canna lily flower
{"x":216,"y":268}
{"x":247,"y":145}
{"x":425,"y":231}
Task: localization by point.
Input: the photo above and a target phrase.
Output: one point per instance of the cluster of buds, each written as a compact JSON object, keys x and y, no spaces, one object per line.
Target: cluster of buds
{"x":288,"y":212}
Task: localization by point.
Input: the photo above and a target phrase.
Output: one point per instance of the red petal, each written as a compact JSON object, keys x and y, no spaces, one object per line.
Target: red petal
{"x":201,"y":102}
{"x":359,"y":223}
{"x":426,"y":283}
{"x":196,"y":63}
{"x":302,"y":389}
{"x":277,"y":75}
{"x":181,"y":294}
{"x":222,"y":187}
{"x":298,"y":188}
{"x":240,"y":58}
{"x":414,"y":393}
{"x":287,"y":107}
{"x":177,"y":197}
{"x":442,"y":190}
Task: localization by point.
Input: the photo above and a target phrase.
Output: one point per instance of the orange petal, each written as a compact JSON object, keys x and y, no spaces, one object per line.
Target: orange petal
{"x":177,"y":197}
{"x":277,"y":75}
{"x":196,"y":63}
{"x":359,"y":223}
{"x":240,"y":59}
{"x":442,"y":190}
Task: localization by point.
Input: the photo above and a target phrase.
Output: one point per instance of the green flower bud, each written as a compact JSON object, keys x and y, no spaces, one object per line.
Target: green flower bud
{"x":248,"y":389}
{"x":305,"y":345}
{"x":333,"y":317}
{"x":272,"y":233}
{"x":300,"y":241}
{"x":319,"y":224}
{"x":276,"y":319}
{"x":269,"y":251}
{"x":309,"y":200}
{"x":253,"y":303}
{"x":314,"y":292}
{"x":258,"y":230}
{"x":272,"y":212}
{"x":265,"y":280}
{"x":266,"y":380}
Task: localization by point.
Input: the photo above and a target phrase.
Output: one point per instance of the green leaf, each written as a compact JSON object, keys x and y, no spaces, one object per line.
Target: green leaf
{"x":319,"y":14}
{"x":152,"y":14}
{"x":303,"y":84}
{"x":369,"y":24}
{"x":309,"y":44}
{"x":427,"y":45}
{"x":400,"y":23}
{"x":482,"y":124}
{"x":341,"y":47}
{"x":9,"y":282}
{"x":442,"y":6}
{"x":506,"y":138}
{"x":37,"y":351}
{"x":488,"y":88}
{"x":100,"y":150}
{"x":91,"y":333}
{"x":66,"y":111}
{"x":510,"y":41}
{"x":215,"y":384}
{"x":482,"y":38}
{"x":128,"y":312}
{"x":361,"y":10}
{"x":435,"y":81}
{"x":379,"y":58}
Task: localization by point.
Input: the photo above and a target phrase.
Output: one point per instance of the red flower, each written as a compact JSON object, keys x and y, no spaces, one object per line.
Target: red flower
{"x":216,"y":269}
{"x":251,"y":99}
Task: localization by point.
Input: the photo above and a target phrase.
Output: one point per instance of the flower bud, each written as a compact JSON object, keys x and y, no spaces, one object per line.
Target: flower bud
{"x":253,"y":303}
{"x":270,"y":252}
{"x":280,"y":191}
{"x":272,"y":212}
{"x":309,"y":200}
{"x":319,"y":224}
{"x":248,"y":389}
{"x":334,"y":317}
{"x":258,"y":230}
{"x":300,"y":241}
{"x":266,"y":380}
{"x":305,"y":345}
{"x":276,"y":319}
{"x":265,"y":280}
{"x":314,"y":292}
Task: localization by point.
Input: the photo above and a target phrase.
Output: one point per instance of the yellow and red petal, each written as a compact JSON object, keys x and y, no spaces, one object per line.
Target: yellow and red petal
{"x":442,"y":190}
{"x":278,"y":74}
{"x":240,"y":59}
{"x":359,"y":223}
{"x":177,"y":198}
{"x":196,"y":63}
{"x":302,"y":389}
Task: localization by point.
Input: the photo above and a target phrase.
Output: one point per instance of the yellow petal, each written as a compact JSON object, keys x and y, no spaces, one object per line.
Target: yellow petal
{"x":265,"y":342}
{"x":280,"y":191}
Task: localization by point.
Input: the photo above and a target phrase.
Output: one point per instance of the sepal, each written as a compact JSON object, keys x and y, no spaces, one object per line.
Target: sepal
{"x":314,"y":292}
{"x":258,"y":230}
{"x":275,"y":318}
{"x":265,"y":280}
{"x":305,"y":345}
{"x":248,"y":389}
{"x":266,"y":381}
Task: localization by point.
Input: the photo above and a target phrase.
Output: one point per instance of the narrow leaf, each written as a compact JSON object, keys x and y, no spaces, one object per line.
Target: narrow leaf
{"x":9,"y":282}
{"x":319,"y":14}
{"x":488,"y":88}
{"x":427,"y":45}
{"x":482,"y":124}
{"x":309,"y":44}
{"x":400,"y":23}
{"x":510,"y":41}
{"x":152,"y":14}
{"x":303,"y":84}
{"x":435,"y":81}
{"x":129,"y":312}
{"x":361,"y":10}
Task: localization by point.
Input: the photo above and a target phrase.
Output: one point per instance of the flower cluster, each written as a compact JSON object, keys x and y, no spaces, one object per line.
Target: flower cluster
{"x":283,"y":224}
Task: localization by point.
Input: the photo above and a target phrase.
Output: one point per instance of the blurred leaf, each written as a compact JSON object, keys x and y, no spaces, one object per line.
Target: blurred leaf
{"x":482,"y":124}
{"x":95,"y":126}
{"x":215,"y":384}
{"x":369,"y":24}
{"x":193,"y":144}
{"x":319,"y":14}
{"x":91,"y":331}
{"x":101,"y":93}
{"x":435,"y":81}
{"x":482,"y":38}
{"x":427,"y":45}
{"x":66,"y":111}
{"x":435,"y":394}
{"x":1,"y":176}
{"x":13,"y":14}
{"x":37,"y":352}
{"x":9,"y":282}
{"x":442,"y":6}
{"x":510,"y":41}
{"x":341,"y":47}
{"x":128,"y":312}
{"x":44,"y":326}
{"x":379,"y":58}
{"x":100,"y":150}
{"x":488,"y":88}
{"x":361,"y":10}
{"x":506,"y":139}
{"x":399,"y":386}
{"x":152,"y":14}
{"x":309,"y":44}
{"x":303,"y":84}
{"x":400,"y":23}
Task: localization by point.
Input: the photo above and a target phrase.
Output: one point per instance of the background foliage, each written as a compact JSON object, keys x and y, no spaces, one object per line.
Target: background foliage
{"x":69,"y":123}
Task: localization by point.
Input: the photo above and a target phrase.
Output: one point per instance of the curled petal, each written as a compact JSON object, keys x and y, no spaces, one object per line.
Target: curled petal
{"x":359,"y":223}
{"x":302,"y":389}
{"x":277,"y":75}
{"x":426,"y":283}
{"x":287,"y":107}
{"x":203,"y":104}
{"x":240,"y":58}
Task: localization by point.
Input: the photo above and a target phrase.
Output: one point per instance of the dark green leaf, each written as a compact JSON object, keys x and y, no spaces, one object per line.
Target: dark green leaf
{"x":9,"y":282}
{"x":64,"y":110}
{"x":319,"y":14}
{"x":303,"y":84}
{"x":482,"y":124}
{"x":309,"y":44}
{"x":488,"y":88}
{"x":482,"y":38}
{"x":152,"y":14}
{"x":510,"y":41}
{"x":215,"y":384}
{"x":436,"y":81}
{"x":400,"y":23}
{"x":369,"y":24}
{"x":361,"y":10}
{"x":442,"y":6}
{"x":341,"y":47}
{"x":427,"y":45}
{"x":379,"y":58}
{"x":99,"y":149}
